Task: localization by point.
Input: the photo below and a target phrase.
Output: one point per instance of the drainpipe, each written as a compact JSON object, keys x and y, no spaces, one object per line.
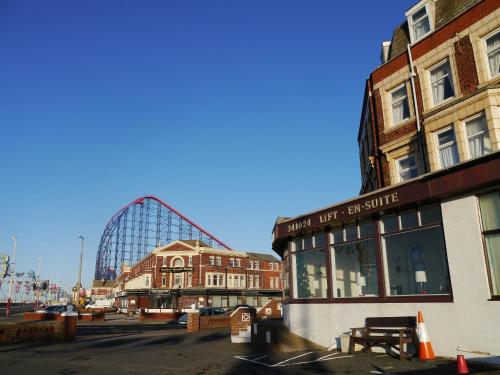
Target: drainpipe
{"x":374,"y":139}
{"x":415,"y":108}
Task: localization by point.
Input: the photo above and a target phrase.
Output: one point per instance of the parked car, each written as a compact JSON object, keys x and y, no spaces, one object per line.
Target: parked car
{"x":100,"y":304}
{"x":55,"y":309}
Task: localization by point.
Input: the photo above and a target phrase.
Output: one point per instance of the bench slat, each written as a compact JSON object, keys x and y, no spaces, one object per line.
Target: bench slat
{"x":393,"y":321}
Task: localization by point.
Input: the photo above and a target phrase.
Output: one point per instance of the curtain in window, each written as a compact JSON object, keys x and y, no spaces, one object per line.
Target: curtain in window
{"x":442,"y":86}
{"x":449,"y":155}
{"x":400,"y":109}
{"x":493,"y":47}
{"x":420,"y":23}
{"x":479,"y":138}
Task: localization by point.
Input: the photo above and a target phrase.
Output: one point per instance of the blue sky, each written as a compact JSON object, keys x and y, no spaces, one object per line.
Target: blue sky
{"x":233,"y":112}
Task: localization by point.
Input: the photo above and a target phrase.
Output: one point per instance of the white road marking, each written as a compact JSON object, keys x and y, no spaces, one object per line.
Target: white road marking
{"x":380,"y":372}
{"x":315,"y":360}
{"x":289,"y":359}
{"x":252,"y":360}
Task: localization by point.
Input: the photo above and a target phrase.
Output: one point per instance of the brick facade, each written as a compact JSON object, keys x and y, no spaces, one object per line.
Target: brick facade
{"x":466,"y":65}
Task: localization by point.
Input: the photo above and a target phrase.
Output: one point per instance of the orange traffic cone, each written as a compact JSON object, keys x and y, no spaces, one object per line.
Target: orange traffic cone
{"x":425,"y":351}
{"x":462,"y":365}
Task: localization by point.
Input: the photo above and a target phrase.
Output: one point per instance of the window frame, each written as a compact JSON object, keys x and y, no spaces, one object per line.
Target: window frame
{"x":484,"y":233}
{"x":399,"y":169}
{"x":438,"y":147}
{"x":411,"y":23}
{"x":391,"y":92}
{"x":434,"y":67}
{"x":485,"y":46}
{"x":467,"y":138}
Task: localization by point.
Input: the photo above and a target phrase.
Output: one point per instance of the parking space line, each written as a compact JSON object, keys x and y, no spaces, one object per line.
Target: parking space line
{"x":252,"y":360}
{"x":290,"y":359}
{"x":315,"y":360}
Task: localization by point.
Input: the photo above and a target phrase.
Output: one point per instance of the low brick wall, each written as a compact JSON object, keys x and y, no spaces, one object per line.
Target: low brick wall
{"x":159,"y":316}
{"x":41,"y":316}
{"x":195,"y":322}
{"x":92,"y":316}
{"x":241,"y":321}
{"x":216,"y":321}
{"x":32,"y":331}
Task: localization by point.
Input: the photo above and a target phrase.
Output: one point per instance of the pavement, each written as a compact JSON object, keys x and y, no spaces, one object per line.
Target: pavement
{"x":124,"y":345}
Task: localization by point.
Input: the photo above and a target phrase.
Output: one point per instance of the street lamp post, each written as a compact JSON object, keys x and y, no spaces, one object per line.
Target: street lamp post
{"x":37,"y":294}
{"x":79,"y":284}
{"x":12,"y":276}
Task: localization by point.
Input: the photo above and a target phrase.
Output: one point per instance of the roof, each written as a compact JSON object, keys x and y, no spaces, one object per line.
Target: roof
{"x":445,"y":11}
{"x":260,"y":256}
{"x":194,"y":242}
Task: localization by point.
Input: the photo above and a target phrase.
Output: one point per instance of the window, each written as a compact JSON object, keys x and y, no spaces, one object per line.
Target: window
{"x":400,"y":108}
{"x":271,"y":266}
{"x":147,"y":280}
{"x":190,"y":260}
{"x":415,"y":254}
{"x":214,"y":279}
{"x":178,"y":280}
{"x":478,"y":138}
{"x":256,"y":265}
{"x":419,"y":23}
{"x":447,"y":147}
{"x":190,"y":279}
{"x":493,"y":51}
{"x":164,"y":261}
{"x":231,"y":262}
{"x":490,"y":218}
{"x":178,"y":262}
{"x":219,"y":261}
{"x":441,"y":82}
{"x":257,"y":281}
{"x":211,"y":260}
{"x":407,"y":167}
{"x":271,"y":282}
{"x":238,"y":262}
{"x":163,"y":280}
{"x":250,"y":281}
{"x":309,"y":262}
{"x":354,"y":261}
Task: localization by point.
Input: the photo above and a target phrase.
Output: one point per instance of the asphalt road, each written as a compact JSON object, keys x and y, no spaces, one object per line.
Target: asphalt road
{"x":128,"y":346}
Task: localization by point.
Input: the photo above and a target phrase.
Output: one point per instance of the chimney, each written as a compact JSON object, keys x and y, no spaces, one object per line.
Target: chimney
{"x":384,"y":53}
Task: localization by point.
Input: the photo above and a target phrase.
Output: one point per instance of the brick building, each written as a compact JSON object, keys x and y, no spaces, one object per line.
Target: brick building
{"x":433,"y":102}
{"x":188,"y":272}
{"x":425,"y":233}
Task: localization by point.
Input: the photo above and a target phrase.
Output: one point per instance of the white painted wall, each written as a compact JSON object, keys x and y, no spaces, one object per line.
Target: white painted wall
{"x":471,"y":322}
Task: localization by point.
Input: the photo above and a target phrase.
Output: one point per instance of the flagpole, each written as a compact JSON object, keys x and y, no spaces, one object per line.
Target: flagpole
{"x":12,"y":276}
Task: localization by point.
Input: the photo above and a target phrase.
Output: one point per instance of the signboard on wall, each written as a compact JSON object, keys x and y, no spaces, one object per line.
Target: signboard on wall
{"x":176,"y":269}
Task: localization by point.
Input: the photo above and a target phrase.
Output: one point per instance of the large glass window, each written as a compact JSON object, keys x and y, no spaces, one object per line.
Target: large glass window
{"x":493,"y":52}
{"x":354,"y":261}
{"x":442,"y":82}
{"x":447,"y":147}
{"x":490,"y":215}
{"x":478,"y":137}
{"x":415,"y":256}
{"x":309,"y":261}
{"x":400,"y":108}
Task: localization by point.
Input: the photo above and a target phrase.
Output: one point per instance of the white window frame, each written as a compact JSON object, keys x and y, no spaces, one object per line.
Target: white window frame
{"x":434,"y":67}
{"x":181,"y":278}
{"x":271,"y":282}
{"x":250,"y":281}
{"x":438,"y":147}
{"x":164,"y":261}
{"x":271,"y":266}
{"x":215,"y":276}
{"x":147,"y":280}
{"x":231,"y":262}
{"x":466,"y":135}
{"x":237,"y":262}
{"x":485,"y":46}
{"x":399,"y":170}
{"x":190,"y":260}
{"x":403,"y":85}
{"x":256,"y":265}
{"x":218,"y":261}
{"x":211,"y":260}
{"x":257,"y":281}
{"x":409,"y":18}
{"x":163,"y":279}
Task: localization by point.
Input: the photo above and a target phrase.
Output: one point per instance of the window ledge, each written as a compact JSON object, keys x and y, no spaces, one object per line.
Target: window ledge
{"x":401,"y":124}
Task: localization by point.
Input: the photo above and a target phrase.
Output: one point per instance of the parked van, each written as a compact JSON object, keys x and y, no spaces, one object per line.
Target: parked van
{"x":100,"y":304}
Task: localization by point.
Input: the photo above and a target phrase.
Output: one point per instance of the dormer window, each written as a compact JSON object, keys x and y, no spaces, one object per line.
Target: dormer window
{"x":419,"y":21}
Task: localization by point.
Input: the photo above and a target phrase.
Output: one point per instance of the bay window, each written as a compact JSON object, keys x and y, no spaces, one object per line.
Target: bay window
{"x":415,"y":253}
{"x":478,"y":137}
{"x":447,"y":147}
{"x":309,"y":261}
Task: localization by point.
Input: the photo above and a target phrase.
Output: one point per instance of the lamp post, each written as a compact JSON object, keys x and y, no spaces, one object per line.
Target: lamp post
{"x":79,"y":284}
{"x":37,"y":294}
{"x":12,"y":276}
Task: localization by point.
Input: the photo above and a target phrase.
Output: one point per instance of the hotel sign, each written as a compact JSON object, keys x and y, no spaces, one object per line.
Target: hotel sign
{"x":176,"y":269}
{"x":355,"y":208}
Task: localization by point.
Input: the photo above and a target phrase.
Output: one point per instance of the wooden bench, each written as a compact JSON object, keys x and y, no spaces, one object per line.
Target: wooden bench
{"x":394,"y":331}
